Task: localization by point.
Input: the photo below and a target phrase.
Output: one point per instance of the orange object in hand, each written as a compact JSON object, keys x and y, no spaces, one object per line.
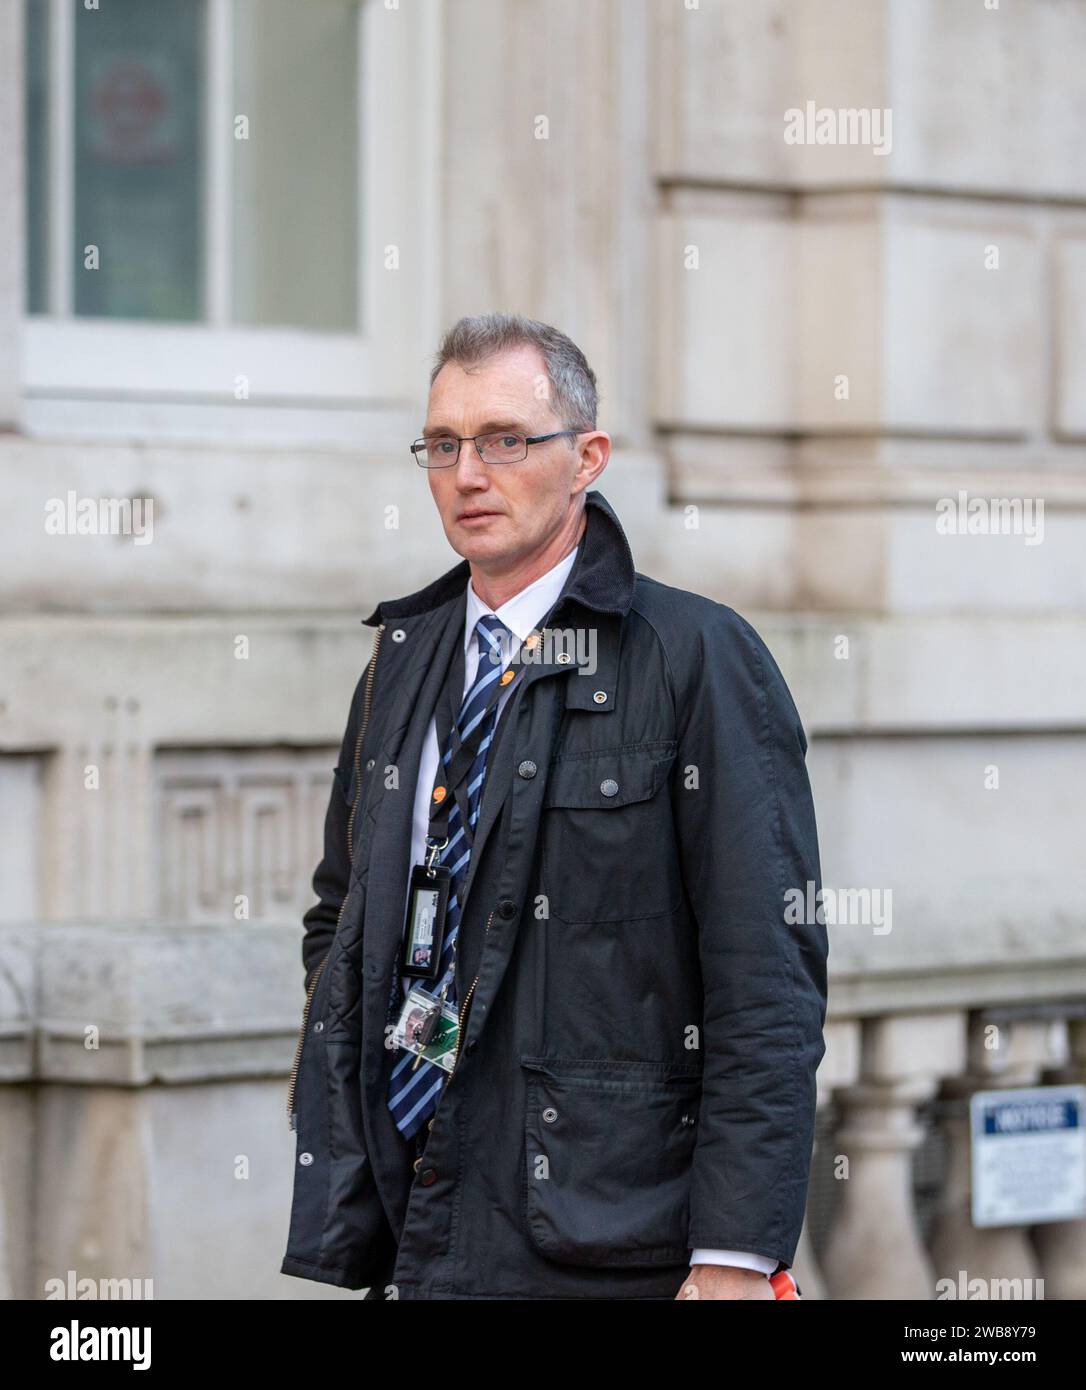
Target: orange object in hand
{"x":784,"y":1286}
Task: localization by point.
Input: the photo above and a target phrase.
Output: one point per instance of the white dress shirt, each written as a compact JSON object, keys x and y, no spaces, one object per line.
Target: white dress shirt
{"x":521,"y":614}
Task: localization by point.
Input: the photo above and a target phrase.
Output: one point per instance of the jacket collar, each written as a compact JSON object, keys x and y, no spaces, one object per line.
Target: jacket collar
{"x":602,"y":577}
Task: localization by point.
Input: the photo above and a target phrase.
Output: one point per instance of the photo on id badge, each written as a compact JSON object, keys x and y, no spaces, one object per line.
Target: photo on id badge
{"x":421,"y":937}
{"x":424,"y":933}
{"x":416,"y":1018}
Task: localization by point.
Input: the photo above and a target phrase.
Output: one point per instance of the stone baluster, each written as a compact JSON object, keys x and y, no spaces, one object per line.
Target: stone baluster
{"x":840,"y":1067}
{"x":875,"y":1250}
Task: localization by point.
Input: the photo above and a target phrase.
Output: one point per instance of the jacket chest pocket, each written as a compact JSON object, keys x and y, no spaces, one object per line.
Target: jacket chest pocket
{"x":609,"y":852}
{"x":608,"y":1152}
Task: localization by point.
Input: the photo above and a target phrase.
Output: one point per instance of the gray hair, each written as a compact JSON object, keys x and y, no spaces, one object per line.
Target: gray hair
{"x":572,"y":381}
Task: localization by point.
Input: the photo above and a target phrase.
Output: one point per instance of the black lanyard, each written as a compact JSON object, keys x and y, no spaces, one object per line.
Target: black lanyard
{"x":452,"y":780}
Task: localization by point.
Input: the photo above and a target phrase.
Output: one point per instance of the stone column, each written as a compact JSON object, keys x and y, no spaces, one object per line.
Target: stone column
{"x":875,"y":1250}
{"x":840,"y":1067}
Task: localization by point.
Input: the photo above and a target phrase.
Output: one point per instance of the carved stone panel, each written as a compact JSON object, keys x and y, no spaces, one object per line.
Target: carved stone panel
{"x":239,"y":831}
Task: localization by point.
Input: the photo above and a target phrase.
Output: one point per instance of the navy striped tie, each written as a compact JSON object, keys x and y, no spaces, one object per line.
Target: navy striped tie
{"x":415,"y":1091}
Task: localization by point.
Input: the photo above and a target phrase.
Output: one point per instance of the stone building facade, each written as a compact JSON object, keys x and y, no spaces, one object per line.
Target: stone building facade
{"x":828,"y":259}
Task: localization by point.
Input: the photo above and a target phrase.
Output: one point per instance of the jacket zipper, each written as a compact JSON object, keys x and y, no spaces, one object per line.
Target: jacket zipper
{"x":467,"y":1001}
{"x":367,"y":700}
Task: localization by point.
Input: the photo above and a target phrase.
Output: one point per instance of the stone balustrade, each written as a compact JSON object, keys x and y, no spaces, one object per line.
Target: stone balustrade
{"x":143,"y":1131}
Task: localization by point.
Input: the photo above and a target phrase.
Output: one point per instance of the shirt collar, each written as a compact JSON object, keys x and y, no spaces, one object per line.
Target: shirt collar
{"x":522,"y":612}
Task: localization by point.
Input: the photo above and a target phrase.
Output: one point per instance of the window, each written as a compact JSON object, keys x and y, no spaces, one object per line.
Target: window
{"x":226,"y":204}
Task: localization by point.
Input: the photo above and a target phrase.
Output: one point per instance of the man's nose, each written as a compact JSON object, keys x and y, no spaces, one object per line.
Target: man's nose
{"x":469,"y":466}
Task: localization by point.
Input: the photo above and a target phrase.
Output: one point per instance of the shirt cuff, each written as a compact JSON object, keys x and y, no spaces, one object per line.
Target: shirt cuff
{"x":762,"y":1263}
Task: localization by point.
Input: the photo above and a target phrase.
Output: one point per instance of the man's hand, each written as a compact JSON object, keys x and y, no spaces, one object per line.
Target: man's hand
{"x":725,"y":1281}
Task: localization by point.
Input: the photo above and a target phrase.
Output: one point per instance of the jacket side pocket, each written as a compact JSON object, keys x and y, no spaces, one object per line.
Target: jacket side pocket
{"x":608,"y":1153}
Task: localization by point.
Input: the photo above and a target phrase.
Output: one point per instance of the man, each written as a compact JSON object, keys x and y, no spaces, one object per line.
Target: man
{"x":603,"y":1085}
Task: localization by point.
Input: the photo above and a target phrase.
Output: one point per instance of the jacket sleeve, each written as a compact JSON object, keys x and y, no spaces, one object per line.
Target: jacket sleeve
{"x":332,"y":876}
{"x":746,"y":836}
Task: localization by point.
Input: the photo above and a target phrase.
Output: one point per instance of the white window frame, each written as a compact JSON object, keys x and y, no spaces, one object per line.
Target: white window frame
{"x":116,"y":378}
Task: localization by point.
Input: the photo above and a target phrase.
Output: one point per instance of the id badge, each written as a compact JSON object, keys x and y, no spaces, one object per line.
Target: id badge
{"x":425,"y":1016}
{"x":424,"y":926}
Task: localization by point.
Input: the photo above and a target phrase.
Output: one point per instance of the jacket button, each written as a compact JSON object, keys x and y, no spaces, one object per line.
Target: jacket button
{"x":305,"y":1160}
{"x":318,"y":1027}
{"x":563,"y":658}
{"x":369,"y":763}
{"x":609,"y":787}
{"x":527,"y":768}
{"x":428,"y":1177}
{"x":550,"y":1115}
{"x":506,"y":909}
{"x":600,"y":697}
{"x":399,"y":635}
